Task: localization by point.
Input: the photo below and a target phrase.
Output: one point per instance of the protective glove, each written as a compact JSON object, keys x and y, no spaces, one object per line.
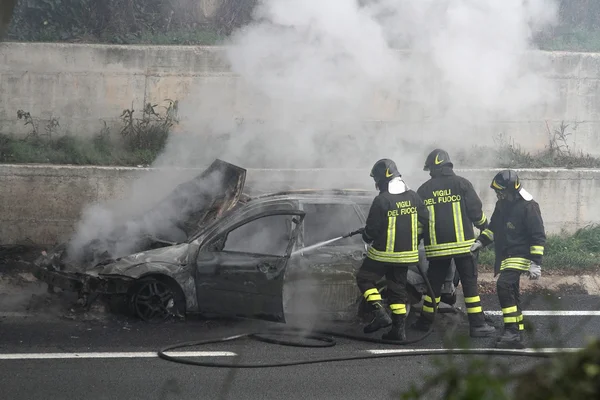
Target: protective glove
{"x":476,"y":246}
{"x":535,"y":271}
{"x":365,"y":237}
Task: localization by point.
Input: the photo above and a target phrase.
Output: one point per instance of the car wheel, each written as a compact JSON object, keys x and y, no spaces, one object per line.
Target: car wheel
{"x":154,"y":300}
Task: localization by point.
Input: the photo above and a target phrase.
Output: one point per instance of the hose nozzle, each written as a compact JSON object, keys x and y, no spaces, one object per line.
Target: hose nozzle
{"x":356,"y":232}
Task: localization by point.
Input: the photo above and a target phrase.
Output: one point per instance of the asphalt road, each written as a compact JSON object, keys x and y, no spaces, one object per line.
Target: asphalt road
{"x":134,"y":372}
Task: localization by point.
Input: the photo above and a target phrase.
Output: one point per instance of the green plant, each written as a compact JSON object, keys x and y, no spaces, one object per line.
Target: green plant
{"x":564,"y":376}
{"x":150,"y":132}
{"x":113,"y":21}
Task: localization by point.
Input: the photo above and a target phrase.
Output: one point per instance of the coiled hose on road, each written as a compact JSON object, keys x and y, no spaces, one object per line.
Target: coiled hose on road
{"x":326,"y":339}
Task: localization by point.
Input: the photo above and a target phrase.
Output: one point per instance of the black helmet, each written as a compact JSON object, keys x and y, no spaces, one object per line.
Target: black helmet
{"x":506,"y":181}
{"x":436,"y":159}
{"x":384,"y":170}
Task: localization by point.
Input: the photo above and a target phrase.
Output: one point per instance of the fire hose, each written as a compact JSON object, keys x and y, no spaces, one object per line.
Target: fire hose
{"x":325,"y":338}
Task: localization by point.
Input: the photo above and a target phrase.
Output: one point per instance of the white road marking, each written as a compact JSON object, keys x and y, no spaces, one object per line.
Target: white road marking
{"x":140,"y":354}
{"x":552,"y":313}
{"x":13,"y":314}
{"x":475,"y":350}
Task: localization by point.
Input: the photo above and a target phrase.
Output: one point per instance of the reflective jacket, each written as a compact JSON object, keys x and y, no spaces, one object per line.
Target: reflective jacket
{"x":517,"y":230}
{"x":454,"y":207}
{"x":393,"y":227}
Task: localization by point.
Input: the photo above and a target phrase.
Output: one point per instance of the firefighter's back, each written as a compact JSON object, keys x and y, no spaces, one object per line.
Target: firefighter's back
{"x":450,"y":230}
{"x":397,"y":241}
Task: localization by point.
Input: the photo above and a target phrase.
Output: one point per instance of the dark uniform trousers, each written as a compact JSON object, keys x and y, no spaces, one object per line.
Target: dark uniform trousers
{"x":507,"y":287}
{"x":467,"y":270}
{"x":372,"y":271}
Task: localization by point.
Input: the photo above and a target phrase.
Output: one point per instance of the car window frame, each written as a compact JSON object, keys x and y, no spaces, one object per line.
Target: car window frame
{"x":215,"y":237}
{"x":337,"y":201}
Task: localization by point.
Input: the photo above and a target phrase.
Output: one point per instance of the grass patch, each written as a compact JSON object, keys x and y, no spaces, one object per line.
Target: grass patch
{"x":140,"y":141}
{"x":580,"y":250}
{"x":200,"y":37}
{"x":66,"y":149}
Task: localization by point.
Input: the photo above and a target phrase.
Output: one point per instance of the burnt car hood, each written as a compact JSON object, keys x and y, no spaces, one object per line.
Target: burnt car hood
{"x":203,"y":199}
{"x":175,"y":219}
{"x":166,"y":259}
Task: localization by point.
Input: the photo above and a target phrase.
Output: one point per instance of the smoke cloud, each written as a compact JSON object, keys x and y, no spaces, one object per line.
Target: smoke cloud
{"x":343,"y":83}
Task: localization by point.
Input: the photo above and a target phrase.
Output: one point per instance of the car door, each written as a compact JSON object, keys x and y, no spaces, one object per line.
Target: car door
{"x":327,"y":280}
{"x":240,"y":270}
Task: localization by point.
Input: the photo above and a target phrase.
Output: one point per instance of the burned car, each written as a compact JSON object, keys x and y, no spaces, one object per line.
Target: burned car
{"x":230,"y":253}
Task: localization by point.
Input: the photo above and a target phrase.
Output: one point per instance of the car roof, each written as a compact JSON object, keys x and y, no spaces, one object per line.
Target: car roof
{"x":248,"y":202}
{"x":311,"y":194}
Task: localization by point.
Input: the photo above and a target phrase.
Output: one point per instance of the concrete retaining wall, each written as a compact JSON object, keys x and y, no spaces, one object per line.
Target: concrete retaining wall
{"x":43,"y":203}
{"x":84,"y":85}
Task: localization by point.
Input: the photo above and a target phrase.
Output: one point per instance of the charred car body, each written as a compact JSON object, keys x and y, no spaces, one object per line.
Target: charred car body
{"x":228,"y":253}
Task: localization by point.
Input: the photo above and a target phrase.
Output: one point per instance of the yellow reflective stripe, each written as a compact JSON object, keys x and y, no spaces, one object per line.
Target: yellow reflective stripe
{"x":428,"y":299}
{"x":369,"y":292}
{"x":448,"y":249}
{"x":482,"y":220}
{"x":518,"y":263}
{"x":473,"y":310}
{"x":521,"y":327}
{"x":445,"y":253}
{"x":452,"y":245}
{"x":374,"y":297}
{"x":509,"y":310}
{"x":432,"y":237}
{"x":489,"y":234}
{"x":520,"y":318}
{"x":538,"y":250}
{"x":398,"y":308}
{"x":401,"y":257}
{"x":415,"y":232}
{"x":391,"y":234}
{"x":458,"y":222}
{"x":428,"y":309}
{"x":474,"y":299}
{"x":510,"y":320}
{"x":419,"y":227}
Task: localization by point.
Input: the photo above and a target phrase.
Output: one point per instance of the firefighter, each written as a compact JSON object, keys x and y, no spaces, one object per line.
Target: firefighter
{"x":454,"y":208}
{"x":517,"y":230}
{"x":392,"y":229}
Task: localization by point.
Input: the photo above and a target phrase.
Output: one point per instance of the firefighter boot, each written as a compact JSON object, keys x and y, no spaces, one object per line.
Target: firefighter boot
{"x":510,"y":339}
{"x":397,"y":331}
{"x":380,"y":320}
{"x":478,"y":331}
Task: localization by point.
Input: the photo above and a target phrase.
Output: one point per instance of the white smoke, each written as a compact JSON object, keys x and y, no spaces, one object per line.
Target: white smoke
{"x":342,"y":83}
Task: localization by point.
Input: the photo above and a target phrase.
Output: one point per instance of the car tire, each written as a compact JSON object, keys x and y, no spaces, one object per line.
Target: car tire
{"x":156,"y":299}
